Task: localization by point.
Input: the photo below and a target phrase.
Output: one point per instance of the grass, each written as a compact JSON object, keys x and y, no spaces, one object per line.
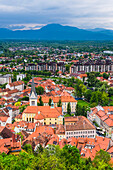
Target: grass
{"x":83,"y":103}
{"x":67,"y":115}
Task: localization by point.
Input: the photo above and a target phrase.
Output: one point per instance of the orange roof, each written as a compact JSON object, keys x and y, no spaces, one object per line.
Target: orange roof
{"x":4,"y":118}
{"x":109,"y":122}
{"x":56,"y":99}
{"x":101,"y":113}
{"x":16,"y":83}
{"x":40,"y":130}
{"x":83,"y":75}
{"x":44,"y":111}
{"x":110,"y":150}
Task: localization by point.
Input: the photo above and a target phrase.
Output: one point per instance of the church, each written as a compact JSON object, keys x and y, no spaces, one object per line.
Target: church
{"x":47,"y":115}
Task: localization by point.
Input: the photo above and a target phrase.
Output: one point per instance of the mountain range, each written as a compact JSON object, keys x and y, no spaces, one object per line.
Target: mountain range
{"x":58,"y":32}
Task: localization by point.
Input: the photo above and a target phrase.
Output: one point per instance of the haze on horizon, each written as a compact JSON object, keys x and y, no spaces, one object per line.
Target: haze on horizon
{"x":34,"y":14}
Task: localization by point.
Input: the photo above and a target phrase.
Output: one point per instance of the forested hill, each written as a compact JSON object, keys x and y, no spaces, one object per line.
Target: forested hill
{"x":57,"y":32}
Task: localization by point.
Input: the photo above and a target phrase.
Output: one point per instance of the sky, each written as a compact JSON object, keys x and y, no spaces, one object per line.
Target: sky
{"x":33,"y":14}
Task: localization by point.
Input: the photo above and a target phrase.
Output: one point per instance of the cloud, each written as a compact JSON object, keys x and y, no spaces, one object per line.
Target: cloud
{"x":83,"y":14}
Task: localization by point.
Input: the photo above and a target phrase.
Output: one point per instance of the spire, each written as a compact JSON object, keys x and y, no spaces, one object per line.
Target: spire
{"x":33,"y":87}
{"x":33,"y":95}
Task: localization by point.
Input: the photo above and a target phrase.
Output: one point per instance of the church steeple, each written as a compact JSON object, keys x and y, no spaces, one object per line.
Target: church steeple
{"x":33,"y":95}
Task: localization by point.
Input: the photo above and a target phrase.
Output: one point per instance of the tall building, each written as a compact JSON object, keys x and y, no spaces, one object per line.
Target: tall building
{"x":33,"y":95}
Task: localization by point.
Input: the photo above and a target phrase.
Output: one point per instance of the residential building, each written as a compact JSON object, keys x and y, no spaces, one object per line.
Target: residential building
{"x":89,"y":66}
{"x":80,"y":127}
{"x":103,"y":116}
{"x":19,"y":85}
{"x":5,"y":79}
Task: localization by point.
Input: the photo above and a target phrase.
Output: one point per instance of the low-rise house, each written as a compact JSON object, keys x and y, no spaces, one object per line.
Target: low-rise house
{"x":5,"y":116}
{"x":60,"y":132}
{"x":19,"y":85}
{"x":103,"y":116}
{"x":5,"y":132}
{"x":10,"y":145}
{"x":82,"y":77}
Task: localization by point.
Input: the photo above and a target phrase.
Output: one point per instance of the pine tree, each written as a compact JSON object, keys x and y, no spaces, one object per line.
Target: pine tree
{"x":59,"y":103}
{"x":50,"y":101}
{"x":69,"y":109}
{"x":40,"y":102}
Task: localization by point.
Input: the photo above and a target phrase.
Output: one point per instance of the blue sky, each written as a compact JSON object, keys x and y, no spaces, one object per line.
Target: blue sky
{"x":27,"y":14}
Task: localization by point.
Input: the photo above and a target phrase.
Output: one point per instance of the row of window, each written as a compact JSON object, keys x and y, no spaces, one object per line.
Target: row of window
{"x":30,"y":120}
{"x":82,"y":136}
{"x":50,"y":123}
{"x":83,"y":132}
{"x":50,"y":119}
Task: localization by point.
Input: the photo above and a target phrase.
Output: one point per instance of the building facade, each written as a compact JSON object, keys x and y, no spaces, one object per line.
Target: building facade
{"x":79,"y":127}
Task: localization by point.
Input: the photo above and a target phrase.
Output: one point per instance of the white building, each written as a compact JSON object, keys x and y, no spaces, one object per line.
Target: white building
{"x":19,"y":85}
{"x":20,"y":77}
{"x":82,"y":127}
{"x":5,"y":79}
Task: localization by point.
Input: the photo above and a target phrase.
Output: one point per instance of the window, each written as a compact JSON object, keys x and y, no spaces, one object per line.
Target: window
{"x":55,"y":123}
{"x":30,"y":119}
{"x":50,"y":119}
{"x":33,"y":103}
{"x":44,"y":123}
{"x":27,"y":119}
{"x":50,"y":123}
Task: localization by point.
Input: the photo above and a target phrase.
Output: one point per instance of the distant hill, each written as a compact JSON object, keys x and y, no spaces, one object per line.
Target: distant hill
{"x":58,"y":32}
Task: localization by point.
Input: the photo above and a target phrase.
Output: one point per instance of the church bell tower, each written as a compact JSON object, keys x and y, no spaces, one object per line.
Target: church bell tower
{"x":33,"y":95}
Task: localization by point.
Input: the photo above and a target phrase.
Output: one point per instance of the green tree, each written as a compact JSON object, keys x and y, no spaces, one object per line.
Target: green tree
{"x":39,"y":90}
{"x":50,"y":101}
{"x":88,"y":95}
{"x":28,"y":148}
{"x":14,"y":77}
{"x":67,"y":67}
{"x":40,"y":102}
{"x":71,"y":156}
{"x":80,"y":90}
{"x":96,"y":97}
{"x":81,"y":110}
{"x":105,"y":76}
{"x":101,"y":156}
{"x":110,"y":91}
{"x":59,"y":104}
{"x":91,"y":79}
{"x":68,"y":109}
{"x":104,"y":99}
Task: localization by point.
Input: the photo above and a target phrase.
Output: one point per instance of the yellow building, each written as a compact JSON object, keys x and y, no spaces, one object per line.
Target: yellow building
{"x":64,"y":101}
{"x":47,"y":115}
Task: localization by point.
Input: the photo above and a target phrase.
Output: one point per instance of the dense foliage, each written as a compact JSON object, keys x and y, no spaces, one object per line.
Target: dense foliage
{"x":54,"y":158}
